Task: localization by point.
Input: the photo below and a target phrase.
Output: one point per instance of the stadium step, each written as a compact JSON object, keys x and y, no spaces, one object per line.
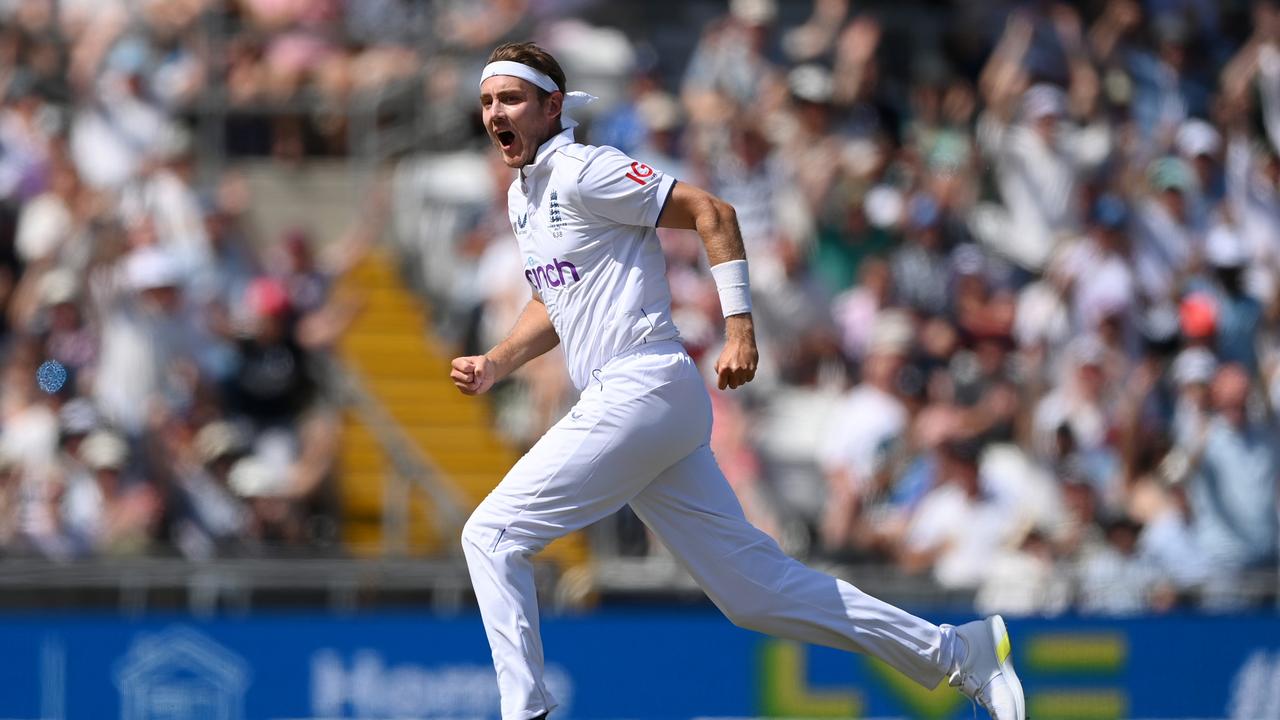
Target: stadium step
{"x":394,"y":356}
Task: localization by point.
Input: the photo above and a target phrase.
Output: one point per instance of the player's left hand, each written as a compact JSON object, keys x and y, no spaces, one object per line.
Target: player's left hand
{"x":737,"y":363}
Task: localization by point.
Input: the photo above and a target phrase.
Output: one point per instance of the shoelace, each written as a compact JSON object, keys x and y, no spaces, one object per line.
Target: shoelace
{"x":964,"y":681}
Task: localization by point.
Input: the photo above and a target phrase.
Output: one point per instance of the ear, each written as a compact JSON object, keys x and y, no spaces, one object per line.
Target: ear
{"x":554,"y":104}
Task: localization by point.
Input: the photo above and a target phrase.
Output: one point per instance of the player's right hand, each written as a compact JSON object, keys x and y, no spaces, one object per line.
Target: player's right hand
{"x":473,"y":375}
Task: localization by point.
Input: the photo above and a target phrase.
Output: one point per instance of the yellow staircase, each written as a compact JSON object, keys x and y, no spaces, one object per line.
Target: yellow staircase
{"x":392,"y":352}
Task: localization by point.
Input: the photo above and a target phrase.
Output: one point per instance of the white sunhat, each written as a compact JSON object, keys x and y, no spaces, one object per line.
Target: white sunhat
{"x":1193,"y":365}
{"x":1043,"y":100}
{"x":754,"y":12}
{"x":892,"y":333}
{"x":103,"y":450}
{"x":217,"y":439}
{"x":812,"y":83}
{"x":1223,"y":248}
{"x":58,"y":286}
{"x":1196,"y":137}
{"x":254,"y":477}
{"x":78,"y":417}
{"x":44,"y":224}
{"x":151,"y":268}
{"x":884,"y":206}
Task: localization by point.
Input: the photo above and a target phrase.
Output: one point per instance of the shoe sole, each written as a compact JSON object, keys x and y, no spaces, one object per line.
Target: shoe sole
{"x":1004,"y":656}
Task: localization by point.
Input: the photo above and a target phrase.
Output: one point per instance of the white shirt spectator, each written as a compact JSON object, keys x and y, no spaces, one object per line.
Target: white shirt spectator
{"x":867,"y":421}
{"x":44,"y":225}
{"x":111,"y":140}
{"x":1103,"y":284}
{"x":1163,"y":248}
{"x":1022,"y":583}
{"x":1041,"y":316}
{"x":967,"y":532}
{"x":1166,"y":543}
{"x":172,"y":205}
{"x":1112,"y":583}
{"x":30,"y":437}
{"x":1037,"y":181}
{"x":140,"y":345}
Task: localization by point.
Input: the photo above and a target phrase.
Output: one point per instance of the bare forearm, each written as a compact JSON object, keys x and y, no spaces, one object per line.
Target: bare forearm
{"x":691,"y":208}
{"x":717,"y":225}
{"x":531,"y":336}
{"x":723,"y":239}
{"x":718,"y":228}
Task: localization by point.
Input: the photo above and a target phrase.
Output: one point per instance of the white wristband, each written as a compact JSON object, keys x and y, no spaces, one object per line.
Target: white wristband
{"x":734,"y":287}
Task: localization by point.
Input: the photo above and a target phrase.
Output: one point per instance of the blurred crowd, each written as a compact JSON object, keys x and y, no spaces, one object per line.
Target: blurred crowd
{"x":181,"y":405}
{"x":1016,"y":271}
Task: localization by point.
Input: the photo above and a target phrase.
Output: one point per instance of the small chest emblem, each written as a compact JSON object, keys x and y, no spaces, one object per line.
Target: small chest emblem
{"x":553,"y":212}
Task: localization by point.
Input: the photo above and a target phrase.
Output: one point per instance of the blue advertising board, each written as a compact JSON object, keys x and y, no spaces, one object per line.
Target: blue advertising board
{"x":677,"y":664}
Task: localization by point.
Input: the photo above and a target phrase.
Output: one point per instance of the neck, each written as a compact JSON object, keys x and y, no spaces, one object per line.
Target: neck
{"x":537,"y":145}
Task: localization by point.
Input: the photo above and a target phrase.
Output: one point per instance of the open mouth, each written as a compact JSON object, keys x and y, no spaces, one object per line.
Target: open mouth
{"x":505,"y":138}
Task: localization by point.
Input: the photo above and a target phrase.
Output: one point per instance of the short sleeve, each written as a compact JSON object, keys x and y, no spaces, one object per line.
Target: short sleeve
{"x":615,"y":187}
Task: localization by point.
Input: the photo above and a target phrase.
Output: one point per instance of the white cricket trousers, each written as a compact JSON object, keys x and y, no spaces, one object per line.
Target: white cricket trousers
{"x":639,"y":434}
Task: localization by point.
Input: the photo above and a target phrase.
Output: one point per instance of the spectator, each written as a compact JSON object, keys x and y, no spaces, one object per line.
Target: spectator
{"x":273,"y":384}
{"x":921,"y":267}
{"x":1115,"y":579}
{"x":1024,"y":580}
{"x":148,"y":365}
{"x":1233,"y":492}
{"x":1169,"y":234}
{"x":262,"y":484}
{"x":956,"y":528}
{"x":1099,"y":267}
{"x":105,"y":512}
{"x":870,"y":419}
{"x":1038,"y":157}
{"x":1192,"y":371}
{"x":1166,"y":542}
{"x":729,"y":66}
{"x":1238,"y":314}
{"x":209,"y":518}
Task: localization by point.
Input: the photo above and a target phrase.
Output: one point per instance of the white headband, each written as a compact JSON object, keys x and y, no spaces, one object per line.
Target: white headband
{"x":572,"y":100}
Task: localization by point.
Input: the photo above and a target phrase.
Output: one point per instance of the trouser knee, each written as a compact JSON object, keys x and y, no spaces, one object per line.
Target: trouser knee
{"x":490,"y":533}
{"x":474,"y":535}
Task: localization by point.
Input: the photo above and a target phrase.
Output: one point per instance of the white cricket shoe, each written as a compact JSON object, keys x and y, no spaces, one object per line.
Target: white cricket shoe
{"x":986,"y":673}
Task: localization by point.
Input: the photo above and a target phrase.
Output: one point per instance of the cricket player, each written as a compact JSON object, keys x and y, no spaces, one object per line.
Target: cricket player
{"x":584,"y":218}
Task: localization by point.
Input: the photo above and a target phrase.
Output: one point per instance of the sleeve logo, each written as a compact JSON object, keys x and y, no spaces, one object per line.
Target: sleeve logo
{"x":640,"y":173}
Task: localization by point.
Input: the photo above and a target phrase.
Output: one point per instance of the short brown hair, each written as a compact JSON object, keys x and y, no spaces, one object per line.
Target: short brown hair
{"x":527,"y":53}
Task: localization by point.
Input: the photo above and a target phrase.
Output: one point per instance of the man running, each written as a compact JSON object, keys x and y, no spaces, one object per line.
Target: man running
{"x":584,"y":218}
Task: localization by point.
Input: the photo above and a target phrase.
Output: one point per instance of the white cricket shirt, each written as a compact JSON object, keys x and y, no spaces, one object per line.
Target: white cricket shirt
{"x":585,"y":219}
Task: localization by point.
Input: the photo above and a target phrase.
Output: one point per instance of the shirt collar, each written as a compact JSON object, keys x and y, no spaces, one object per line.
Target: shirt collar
{"x":546,"y":150}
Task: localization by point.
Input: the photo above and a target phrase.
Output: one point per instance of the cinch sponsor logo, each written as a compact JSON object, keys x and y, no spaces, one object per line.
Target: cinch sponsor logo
{"x":550,"y":275}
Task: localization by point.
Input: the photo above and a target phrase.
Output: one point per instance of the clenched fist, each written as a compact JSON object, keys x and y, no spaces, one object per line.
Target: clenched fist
{"x":473,"y":375}
{"x":736,"y":365}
